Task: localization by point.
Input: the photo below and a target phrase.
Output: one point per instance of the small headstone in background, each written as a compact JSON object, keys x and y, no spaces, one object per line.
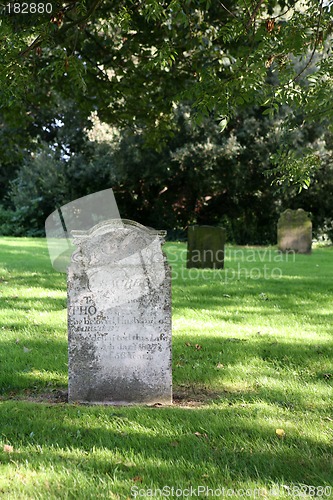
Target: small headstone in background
{"x":294,"y":231}
{"x":119,"y":316}
{"x":205,"y":247}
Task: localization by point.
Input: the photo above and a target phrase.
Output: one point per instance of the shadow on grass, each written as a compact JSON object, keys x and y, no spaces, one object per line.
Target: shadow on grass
{"x":28,"y":364}
{"x":203,"y":446}
{"x":205,"y":375}
{"x":48,"y":280}
{"x":39,"y":303}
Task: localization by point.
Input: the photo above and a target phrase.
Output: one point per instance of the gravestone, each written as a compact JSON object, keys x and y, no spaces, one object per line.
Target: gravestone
{"x":205,"y":247}
{"x":119,"y":316}
{"x":294,"y":231}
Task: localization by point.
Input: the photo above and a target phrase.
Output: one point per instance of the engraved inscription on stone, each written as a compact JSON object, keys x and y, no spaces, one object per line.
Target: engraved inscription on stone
{"x":119,"y":316}
{"x":294,"y":231}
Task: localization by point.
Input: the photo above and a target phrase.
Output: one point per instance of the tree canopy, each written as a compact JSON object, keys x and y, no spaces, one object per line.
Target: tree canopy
{"x":134,"y":60}
{"x":258,"y":71}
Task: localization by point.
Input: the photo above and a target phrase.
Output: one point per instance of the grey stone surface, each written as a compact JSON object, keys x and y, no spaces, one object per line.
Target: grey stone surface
{"x":119,"y":316}
{"x":205,"y":247}
{"x":294,"y":231}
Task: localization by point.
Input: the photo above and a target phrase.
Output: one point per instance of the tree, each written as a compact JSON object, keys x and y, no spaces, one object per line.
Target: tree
{"x":199,"y":176}
{"x":136,"y":62}
{"x":218,"y":55}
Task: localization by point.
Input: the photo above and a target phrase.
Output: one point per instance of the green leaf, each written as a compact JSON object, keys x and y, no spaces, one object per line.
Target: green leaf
{"x":223,"y":123}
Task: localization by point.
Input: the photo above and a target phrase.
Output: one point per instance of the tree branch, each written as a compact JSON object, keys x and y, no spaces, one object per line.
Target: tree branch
{"x":254,"y":14}
{"x":88,"y":14}
{"x":225,"y":8}
{"x":40,"y":38}
{"x":32,"y":46}
{"x":315,"y":45}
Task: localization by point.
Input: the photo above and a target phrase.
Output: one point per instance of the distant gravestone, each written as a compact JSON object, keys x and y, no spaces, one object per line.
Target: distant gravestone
{"x":294,"y":231}
{"x":205,"y":247}
{"x":119,"y":316}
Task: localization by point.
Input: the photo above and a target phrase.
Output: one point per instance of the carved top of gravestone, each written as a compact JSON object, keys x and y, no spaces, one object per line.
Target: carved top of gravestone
{"x":294,"y":231}
{"x":118,"y":257}
{"x":291,"y":217}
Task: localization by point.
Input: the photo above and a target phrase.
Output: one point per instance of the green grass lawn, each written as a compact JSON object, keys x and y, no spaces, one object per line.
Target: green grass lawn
{"x":252,"y":353}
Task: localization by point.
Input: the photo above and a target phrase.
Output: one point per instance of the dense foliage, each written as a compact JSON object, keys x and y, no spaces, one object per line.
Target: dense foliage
{"x":113,"y":55}
{"x":198,"y":176}
{"x":211,"y":103}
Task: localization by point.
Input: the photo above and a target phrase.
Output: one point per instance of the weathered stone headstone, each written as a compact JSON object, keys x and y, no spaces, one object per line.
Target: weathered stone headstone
{"x":119,"y":316}
{"x":205,"y":247}
{"x":294,"y":231}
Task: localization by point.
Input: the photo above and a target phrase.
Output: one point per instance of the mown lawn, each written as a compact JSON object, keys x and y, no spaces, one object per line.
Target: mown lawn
{"x":253,"y":379}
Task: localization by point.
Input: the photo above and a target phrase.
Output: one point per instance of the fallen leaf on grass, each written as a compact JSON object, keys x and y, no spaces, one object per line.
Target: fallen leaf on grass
{"x":25,"y":349}
{"x":280,"y":433}
{"x":7,"y":448}
{"x":198,"y":434}
{"x":197,"y":346}
{"x":219,"y":365}
{"x":137,"y":479}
